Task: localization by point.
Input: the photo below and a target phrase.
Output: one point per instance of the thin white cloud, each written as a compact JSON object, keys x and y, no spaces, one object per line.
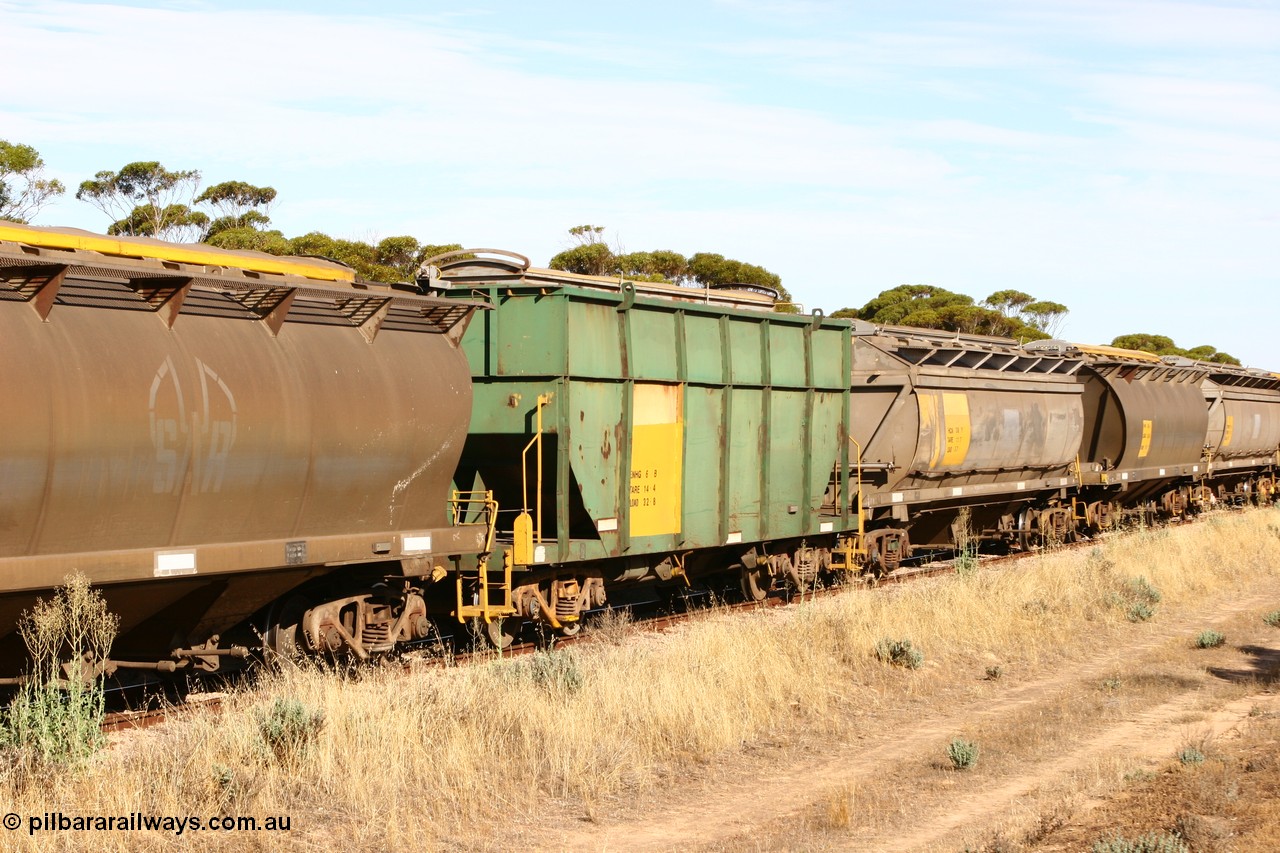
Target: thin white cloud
{"x":1247,"y":106}
{"x":859,"y":52}
{"x":1156,"y":23}
{"x":344,"y":91}
{"x":1118,"y":157}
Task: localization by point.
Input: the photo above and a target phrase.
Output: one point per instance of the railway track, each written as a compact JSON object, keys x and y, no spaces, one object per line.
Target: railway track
{"x":206,"y":703}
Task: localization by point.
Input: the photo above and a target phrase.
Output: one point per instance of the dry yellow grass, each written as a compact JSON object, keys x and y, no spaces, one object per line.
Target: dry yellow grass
{"x":471,"y":757}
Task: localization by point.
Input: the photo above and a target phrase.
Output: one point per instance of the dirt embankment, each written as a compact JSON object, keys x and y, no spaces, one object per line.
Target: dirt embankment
{"x":1063,"y":747}
{"x":1075,"y":676}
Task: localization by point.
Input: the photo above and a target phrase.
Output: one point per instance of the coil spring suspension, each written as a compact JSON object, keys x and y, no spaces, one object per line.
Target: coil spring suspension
{"x":806,"y":564}
{"x":376,"y":635}
{"x":567,"y":595}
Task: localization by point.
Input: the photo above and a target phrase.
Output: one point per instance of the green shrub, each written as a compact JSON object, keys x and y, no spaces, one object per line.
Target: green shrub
{"x":899,"y":653}
{"x":966,"y":553}
{"x":1140,"y":611}
{"x":1209,"y":640}
{"x":994,"y":673}
{"x":556,"y":672}
{"x":1099,"y":563}
{"x":1191,"y":756}
{"x":1141,"y":589}
{"x":965,"y":562}
{"x":1272,"y":618}
{"x":56,"y":716}
{"x":1137,"y":597}
{"x":1149,"y":843}
{"x":963,"y":753}
{"x":289,"y":728}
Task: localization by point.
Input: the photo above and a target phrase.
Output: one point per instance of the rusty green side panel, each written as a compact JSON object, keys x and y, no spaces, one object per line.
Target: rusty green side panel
{"x":669,"y":426}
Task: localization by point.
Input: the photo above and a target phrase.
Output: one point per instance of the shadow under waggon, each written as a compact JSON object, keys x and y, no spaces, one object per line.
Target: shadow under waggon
{"x":1263,"y":667}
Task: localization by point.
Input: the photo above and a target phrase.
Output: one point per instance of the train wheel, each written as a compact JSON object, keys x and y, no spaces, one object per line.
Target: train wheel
{"x":796,"y":582}
{"x":1028,"y":531}
{"x":282,"y":638}
{"x":755,"y":585}
{"x":501,"y":633}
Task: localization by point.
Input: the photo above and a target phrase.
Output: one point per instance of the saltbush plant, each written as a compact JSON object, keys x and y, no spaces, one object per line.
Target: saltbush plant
{"x":963,"y":753}
{"x":556,"y":672}
{"x":288,"y":729}
{"x":1140,"y":611}
{"x":1142,"y":589}
{"x":1209,"y":639}
{"x":559,"y":673}
{"x":899,"y":653}
{"x":1191,"y":756}
{"x":1138,"y":597}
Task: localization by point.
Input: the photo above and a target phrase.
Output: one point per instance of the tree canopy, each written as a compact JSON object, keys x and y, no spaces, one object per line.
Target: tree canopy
{"x":23,"y":189}
{"x":391,"y":259}
{"x":1006,"y":313}
{"x":1041,"y":315}
{"x":147,"y":200}
{"x":150,"y":200}
{"x":591,"y":255}
{"x":1162,"y":345}
{"x":238,"y":205}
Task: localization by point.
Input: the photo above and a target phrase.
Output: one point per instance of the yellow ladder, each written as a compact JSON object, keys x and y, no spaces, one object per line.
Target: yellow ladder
{"x":485,"y":588}
{"x":850,"y":553}
{"x":480,"y":579}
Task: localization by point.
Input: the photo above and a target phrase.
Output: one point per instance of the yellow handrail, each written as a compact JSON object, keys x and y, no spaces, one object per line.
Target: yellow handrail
{"x":463,"y":498}
{"x":861,"y":523}
{"x":543,"y":399}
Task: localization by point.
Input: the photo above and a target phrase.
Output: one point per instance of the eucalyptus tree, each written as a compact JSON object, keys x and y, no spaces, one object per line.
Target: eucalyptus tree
{"x":1164,"y":345}
{"x":23,"y":188}
{"x":147,"y":200}
{"x":591,"y":255}
{"x":237,"y":205}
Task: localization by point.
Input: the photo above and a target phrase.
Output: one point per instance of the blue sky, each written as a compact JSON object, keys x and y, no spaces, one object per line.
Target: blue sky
{"x":1120,"y":157}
